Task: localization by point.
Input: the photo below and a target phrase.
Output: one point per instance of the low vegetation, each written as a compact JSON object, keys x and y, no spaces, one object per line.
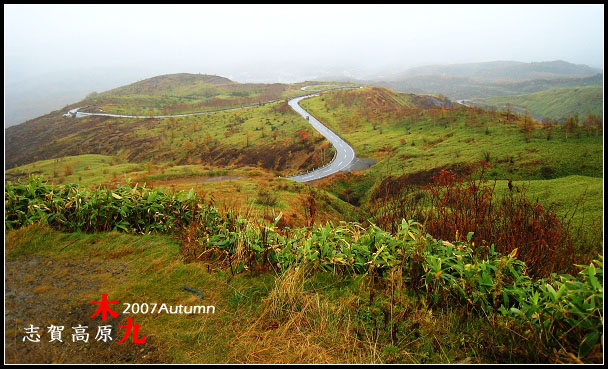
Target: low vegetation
{"x":186,"y":93}
{"x":557,"y":104}
{"x":413,"y":140}
{"x":561,"y":311}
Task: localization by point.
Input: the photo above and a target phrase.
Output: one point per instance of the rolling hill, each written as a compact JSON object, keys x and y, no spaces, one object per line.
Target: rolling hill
{"x":557,"y":104}
{"x":503,"y":71}
{"x":467,"y":88}
{"x":264,"y":134}
{"x":480,"y":80}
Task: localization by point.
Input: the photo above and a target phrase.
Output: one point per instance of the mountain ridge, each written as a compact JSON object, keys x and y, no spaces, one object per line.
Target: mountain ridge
{"x":502,"y":70}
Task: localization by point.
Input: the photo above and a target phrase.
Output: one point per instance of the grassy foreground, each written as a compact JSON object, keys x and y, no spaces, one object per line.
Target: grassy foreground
{"x":344,"y":293}
{"x":299,"y":316}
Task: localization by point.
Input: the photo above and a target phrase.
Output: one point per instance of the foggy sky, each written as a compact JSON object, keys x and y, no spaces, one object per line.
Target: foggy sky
{"x":210,"y":38}
{"x":284,"y":43}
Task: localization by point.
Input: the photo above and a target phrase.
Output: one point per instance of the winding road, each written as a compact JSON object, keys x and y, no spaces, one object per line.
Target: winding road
{"x":345,"y":154}
{"x":344,"y":157}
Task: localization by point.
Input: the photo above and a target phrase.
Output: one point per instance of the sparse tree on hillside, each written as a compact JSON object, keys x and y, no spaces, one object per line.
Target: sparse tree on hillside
{"x":548,"y":125}
{"x":509,"y":108}
{"x":593,"y":122}
{"x":434,"y":114}
{"x":68,"y":169}
{"x":188,"y":146}
{"x":571,"y":125}
{"x":208,"y":139}
{"x":527,"y":126}
{"x":374,"y":124}
{"x":303,"y":135}
{"x":598,"y":125}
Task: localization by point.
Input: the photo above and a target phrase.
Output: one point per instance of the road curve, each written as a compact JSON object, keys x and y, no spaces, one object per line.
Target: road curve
{"x":345,"y":154}
{"x":344,"y":157}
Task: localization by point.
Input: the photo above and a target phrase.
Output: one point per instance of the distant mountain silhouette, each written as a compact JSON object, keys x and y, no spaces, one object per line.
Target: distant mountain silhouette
{"x":501,"y":71}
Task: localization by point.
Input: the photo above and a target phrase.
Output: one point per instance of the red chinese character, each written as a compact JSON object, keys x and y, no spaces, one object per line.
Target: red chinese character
{"x":128,"y":332}
{"x":104,"y":307}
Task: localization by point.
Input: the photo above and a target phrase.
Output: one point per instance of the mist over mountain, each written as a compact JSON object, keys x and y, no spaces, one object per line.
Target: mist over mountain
{"x":28,"y":96}
{"x":497,"y":78}
{"x":496,"y":71}
{"x":57,"y":54}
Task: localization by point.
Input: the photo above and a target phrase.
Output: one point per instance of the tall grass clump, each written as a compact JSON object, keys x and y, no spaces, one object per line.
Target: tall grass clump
{"x":133,"y":209}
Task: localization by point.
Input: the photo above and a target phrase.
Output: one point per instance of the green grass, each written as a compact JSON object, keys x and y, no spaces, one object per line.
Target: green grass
{"x":86,"y":170}
{"x":427,"y":145}
{"x":268,"y":133}
{"x":156,"y":273}
{"x":209,"y":138}
{"x":412,"y":144}
{"x":573,"y":196}
{"x":558,"y":171}
{"x":557,"y":104}
{"x":301,"y":315}
{"x":186,"y":93}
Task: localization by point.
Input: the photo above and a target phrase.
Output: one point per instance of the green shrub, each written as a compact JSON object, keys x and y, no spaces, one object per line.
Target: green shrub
{"x":562,"y":310}
{"x":547,"y":172}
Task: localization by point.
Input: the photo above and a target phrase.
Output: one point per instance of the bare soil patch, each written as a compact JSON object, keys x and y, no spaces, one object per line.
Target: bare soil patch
{"x":44,"y":291}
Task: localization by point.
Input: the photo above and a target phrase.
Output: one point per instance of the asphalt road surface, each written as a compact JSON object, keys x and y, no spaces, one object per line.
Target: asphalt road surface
{"x":345,"y":154}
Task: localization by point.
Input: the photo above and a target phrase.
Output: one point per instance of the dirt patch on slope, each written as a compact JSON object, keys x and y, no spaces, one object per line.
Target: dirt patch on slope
{"x":41,"y":291}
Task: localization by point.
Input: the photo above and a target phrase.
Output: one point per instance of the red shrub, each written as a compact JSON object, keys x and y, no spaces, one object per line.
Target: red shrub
{"x":452,"y":206}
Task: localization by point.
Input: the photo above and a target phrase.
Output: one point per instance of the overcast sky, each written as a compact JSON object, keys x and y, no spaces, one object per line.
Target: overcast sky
{"x":55,"y":54}
{"x":216,"y":38}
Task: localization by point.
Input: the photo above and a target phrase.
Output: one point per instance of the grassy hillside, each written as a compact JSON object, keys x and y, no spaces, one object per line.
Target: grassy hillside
{"x":505,"y":70}
{"x":248,"y":190}
{"x":268,"y":134}
{"x":406,"y":137}
{"x":403,"y":262}
{"x":185,"y":93}
{"x":557,"y":104}
{"x":456,"y":87}
{"x":87,"y":170}
{"x":411,"y":143}
{"x":272,"y":136}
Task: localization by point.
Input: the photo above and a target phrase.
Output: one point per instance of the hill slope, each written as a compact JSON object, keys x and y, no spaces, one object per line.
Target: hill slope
{"x":257,"y":135}
{"x":466,"y":87}
{"x":501,"y":78}
{"x":185,"y":93}
{"x":169,"y":84}
{"x":504,"y":70}
{"x":556,"y":104}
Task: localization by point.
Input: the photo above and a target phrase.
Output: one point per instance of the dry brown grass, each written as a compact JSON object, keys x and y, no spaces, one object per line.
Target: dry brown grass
{"x":302,"y":326}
